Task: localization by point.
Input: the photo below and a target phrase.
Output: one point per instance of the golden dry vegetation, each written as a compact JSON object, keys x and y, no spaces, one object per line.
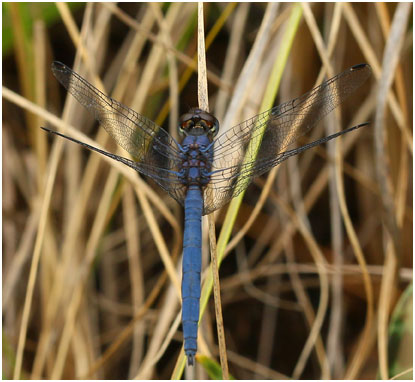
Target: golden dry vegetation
{"x":316,"y":257}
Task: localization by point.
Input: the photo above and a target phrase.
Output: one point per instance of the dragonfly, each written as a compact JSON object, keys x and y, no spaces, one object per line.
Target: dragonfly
{"x":205,"y":170}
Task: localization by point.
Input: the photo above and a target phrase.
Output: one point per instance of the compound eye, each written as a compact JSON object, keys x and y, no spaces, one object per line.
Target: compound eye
{"x":214,"y":129}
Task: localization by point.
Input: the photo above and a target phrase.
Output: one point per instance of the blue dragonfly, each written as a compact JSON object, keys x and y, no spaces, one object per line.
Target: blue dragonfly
{"x":205,"y":170}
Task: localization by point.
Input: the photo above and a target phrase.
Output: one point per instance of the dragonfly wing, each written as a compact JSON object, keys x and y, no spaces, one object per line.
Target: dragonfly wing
{"x":135,"y":133}
{"x":167,"y":179}
{"x":156,"y":153}
{"x":271,"y":132}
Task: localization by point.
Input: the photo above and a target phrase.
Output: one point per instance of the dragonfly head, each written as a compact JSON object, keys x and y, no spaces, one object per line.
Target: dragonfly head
{"x":198,"y":122}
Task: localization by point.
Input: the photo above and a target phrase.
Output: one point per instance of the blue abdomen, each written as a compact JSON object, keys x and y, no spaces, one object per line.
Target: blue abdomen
{"x":192,"y":264}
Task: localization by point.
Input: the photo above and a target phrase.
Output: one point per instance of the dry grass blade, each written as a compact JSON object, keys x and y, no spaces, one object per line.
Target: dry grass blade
{"x":241,"y":87}
{"x":333,"y":356}
{"x":136,"y":275}
{"x":77,"y":39}
{"x":335,"y":352}
{"x":203,"y":99}
{"x":320,"y":263}
{"x":202,"y":90}
{"x":393,"y":250}
{"x":96,"y":232}
{"x":374,"y":63}
{"x":35,"y":262}
{"x":231,"y":59}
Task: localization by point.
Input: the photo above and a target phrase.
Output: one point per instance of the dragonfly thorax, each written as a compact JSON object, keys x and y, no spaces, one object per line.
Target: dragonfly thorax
{"x":198,"y":122}
{"x":197,"y":159}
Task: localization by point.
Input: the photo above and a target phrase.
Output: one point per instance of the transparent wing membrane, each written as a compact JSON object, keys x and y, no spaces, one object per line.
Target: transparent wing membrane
{"x":155,"y":151}
{"x":271,"y":132}
{"x":247,"y":150}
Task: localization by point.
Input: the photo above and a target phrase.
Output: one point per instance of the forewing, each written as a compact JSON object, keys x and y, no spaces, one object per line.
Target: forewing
{"x":133,"y":132}
{"x":271,"y":132}
{"x":156,"y":153}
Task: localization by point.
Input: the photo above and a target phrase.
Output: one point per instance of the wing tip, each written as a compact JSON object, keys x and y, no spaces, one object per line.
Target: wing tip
{"x":58,"y":67}
{"x":360,"y":67}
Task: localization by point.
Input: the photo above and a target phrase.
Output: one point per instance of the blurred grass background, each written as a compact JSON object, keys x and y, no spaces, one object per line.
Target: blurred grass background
{"x":91,"y":252}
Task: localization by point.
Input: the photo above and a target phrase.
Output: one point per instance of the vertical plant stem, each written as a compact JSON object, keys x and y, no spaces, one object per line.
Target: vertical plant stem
{"x":204,"y":105}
